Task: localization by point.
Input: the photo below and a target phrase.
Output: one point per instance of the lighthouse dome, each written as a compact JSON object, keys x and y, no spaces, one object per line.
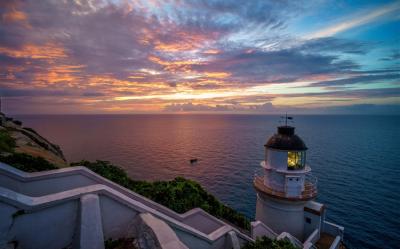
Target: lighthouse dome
{"x":285,"y":139}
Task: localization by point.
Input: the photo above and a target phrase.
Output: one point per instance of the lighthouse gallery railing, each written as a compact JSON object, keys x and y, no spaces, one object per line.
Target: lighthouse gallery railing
{"x":309,"y":192}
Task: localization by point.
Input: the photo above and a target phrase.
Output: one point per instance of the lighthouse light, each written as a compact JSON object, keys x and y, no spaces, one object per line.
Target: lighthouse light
{"x":296,"y":160}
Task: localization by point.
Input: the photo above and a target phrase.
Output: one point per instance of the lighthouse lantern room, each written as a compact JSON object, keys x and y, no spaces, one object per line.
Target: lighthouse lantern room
{"x":286,"y":184}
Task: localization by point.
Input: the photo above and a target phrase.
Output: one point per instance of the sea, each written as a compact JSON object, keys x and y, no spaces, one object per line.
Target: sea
{"x":356,"y":159}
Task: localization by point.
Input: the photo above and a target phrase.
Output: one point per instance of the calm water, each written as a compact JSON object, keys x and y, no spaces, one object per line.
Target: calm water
{"x":356,"y":159}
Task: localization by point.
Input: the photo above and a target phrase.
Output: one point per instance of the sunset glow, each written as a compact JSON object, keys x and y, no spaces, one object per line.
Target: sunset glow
{"x":199,"y":56}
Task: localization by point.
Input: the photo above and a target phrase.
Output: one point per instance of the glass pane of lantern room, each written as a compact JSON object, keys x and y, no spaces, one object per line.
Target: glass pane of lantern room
{"x":295,"y":160}
{"x":292,"y":160}
{"x":303,"y":159}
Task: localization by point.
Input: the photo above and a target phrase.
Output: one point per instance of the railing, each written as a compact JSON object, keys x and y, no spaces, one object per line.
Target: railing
{"x":311,"y":179}
{"x":291,"y":238}
{"x":259,"y":229}
{"x":333,"y":229}
{"x":309,"y":192}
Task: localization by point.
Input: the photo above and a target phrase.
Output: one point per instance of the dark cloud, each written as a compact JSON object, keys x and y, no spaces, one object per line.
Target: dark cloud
{"x":335,"y":45}
{"x":233,"y":14}
{"x":358,"y":93}
{"x":276,"y":66}
{"x":362,"y":79}
{"x":268,"y":108}
{"x":364,"y":109}
{"x":92,"y":94}
{"x":395,"y":56}
{"x":32,"y":92}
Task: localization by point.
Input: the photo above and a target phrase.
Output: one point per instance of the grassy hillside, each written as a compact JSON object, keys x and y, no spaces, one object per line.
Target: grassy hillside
{"x":7,"y":142}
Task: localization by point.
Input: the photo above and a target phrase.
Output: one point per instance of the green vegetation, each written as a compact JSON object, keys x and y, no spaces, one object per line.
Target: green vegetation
{"x":125,"y":243}
{"x":267,"y":243}
{"x":27,"y":162}
{"x":180,"y":194}
{"x":7,"y":143}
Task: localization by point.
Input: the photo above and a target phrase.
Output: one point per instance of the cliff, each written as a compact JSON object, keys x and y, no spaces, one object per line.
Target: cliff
{"x":19,"y":140}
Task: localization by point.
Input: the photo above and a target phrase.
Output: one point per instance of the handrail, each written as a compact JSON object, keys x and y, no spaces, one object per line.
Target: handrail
{"x":256,"y":224}
{"x":310,"y":179}
{"x":291,"y":238}
{"x":310,"y":191}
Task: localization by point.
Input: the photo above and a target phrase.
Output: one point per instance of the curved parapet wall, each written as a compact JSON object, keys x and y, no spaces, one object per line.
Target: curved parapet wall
{"x":153,"y":233}
{"x":44,"y":191}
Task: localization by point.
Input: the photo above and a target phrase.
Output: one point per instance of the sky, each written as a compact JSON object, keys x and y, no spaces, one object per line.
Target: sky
{"x":197,"y":56}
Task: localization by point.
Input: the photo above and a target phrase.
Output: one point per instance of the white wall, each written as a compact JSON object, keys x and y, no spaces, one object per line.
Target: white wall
{"x":259,"y":229}
{"x":45,"y":228}
{"x":56,"y":214}
{"x":117,"y":218}
{"x":281,"y":216}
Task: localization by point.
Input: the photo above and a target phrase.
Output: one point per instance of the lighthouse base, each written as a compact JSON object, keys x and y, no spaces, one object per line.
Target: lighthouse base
{"x":281,"y":215}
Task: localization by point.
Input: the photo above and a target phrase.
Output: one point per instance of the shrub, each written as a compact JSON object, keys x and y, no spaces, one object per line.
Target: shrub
{"x":267,"y":243}
{"x":27,"y":162}
{"x":180,"y":194}
{"x":7,"y":142}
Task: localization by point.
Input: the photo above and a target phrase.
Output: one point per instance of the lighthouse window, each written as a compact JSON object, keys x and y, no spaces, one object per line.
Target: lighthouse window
{"x":296,"y":160}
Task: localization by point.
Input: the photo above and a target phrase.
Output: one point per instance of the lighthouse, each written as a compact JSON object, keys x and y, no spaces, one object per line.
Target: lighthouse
{"x":285,"y":186}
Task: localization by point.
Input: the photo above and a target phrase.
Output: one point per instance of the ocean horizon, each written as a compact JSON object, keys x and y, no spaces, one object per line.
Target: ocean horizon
{"x":355,"y":158}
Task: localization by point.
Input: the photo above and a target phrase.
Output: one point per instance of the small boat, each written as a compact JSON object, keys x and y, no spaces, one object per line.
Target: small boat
{"x":193,"y":160}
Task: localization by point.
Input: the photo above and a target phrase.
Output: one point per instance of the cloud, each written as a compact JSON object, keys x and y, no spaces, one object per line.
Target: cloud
{"x":355,"y":93}
{"x":128,"y":56}
{"x":364,"y":79}
{"x":352,"y":22}
{"x":274,"y":66}
{"x":32,"y":92}
{"x":190,"y":107}
{"x":364,"y":109}
{"x":395,"y":56}
{"x":334,"y":45}
{"x":268,"y":108}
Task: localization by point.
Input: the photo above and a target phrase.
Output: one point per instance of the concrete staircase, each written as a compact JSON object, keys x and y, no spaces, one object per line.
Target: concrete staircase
{"x":76,"y":208}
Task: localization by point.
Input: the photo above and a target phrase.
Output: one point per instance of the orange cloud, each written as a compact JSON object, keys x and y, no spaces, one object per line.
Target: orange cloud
{"x":185,"y":42}
{"x":15,"y":16}
{"x":217,"y":74}
{"x":174,"y":66}
{"x":58,"y":74}
{"x":46,"y":51}
{"x":212,"y":51}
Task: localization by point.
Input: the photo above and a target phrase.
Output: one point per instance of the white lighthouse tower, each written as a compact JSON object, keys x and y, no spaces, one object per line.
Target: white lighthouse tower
{"x":286,"y":185}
